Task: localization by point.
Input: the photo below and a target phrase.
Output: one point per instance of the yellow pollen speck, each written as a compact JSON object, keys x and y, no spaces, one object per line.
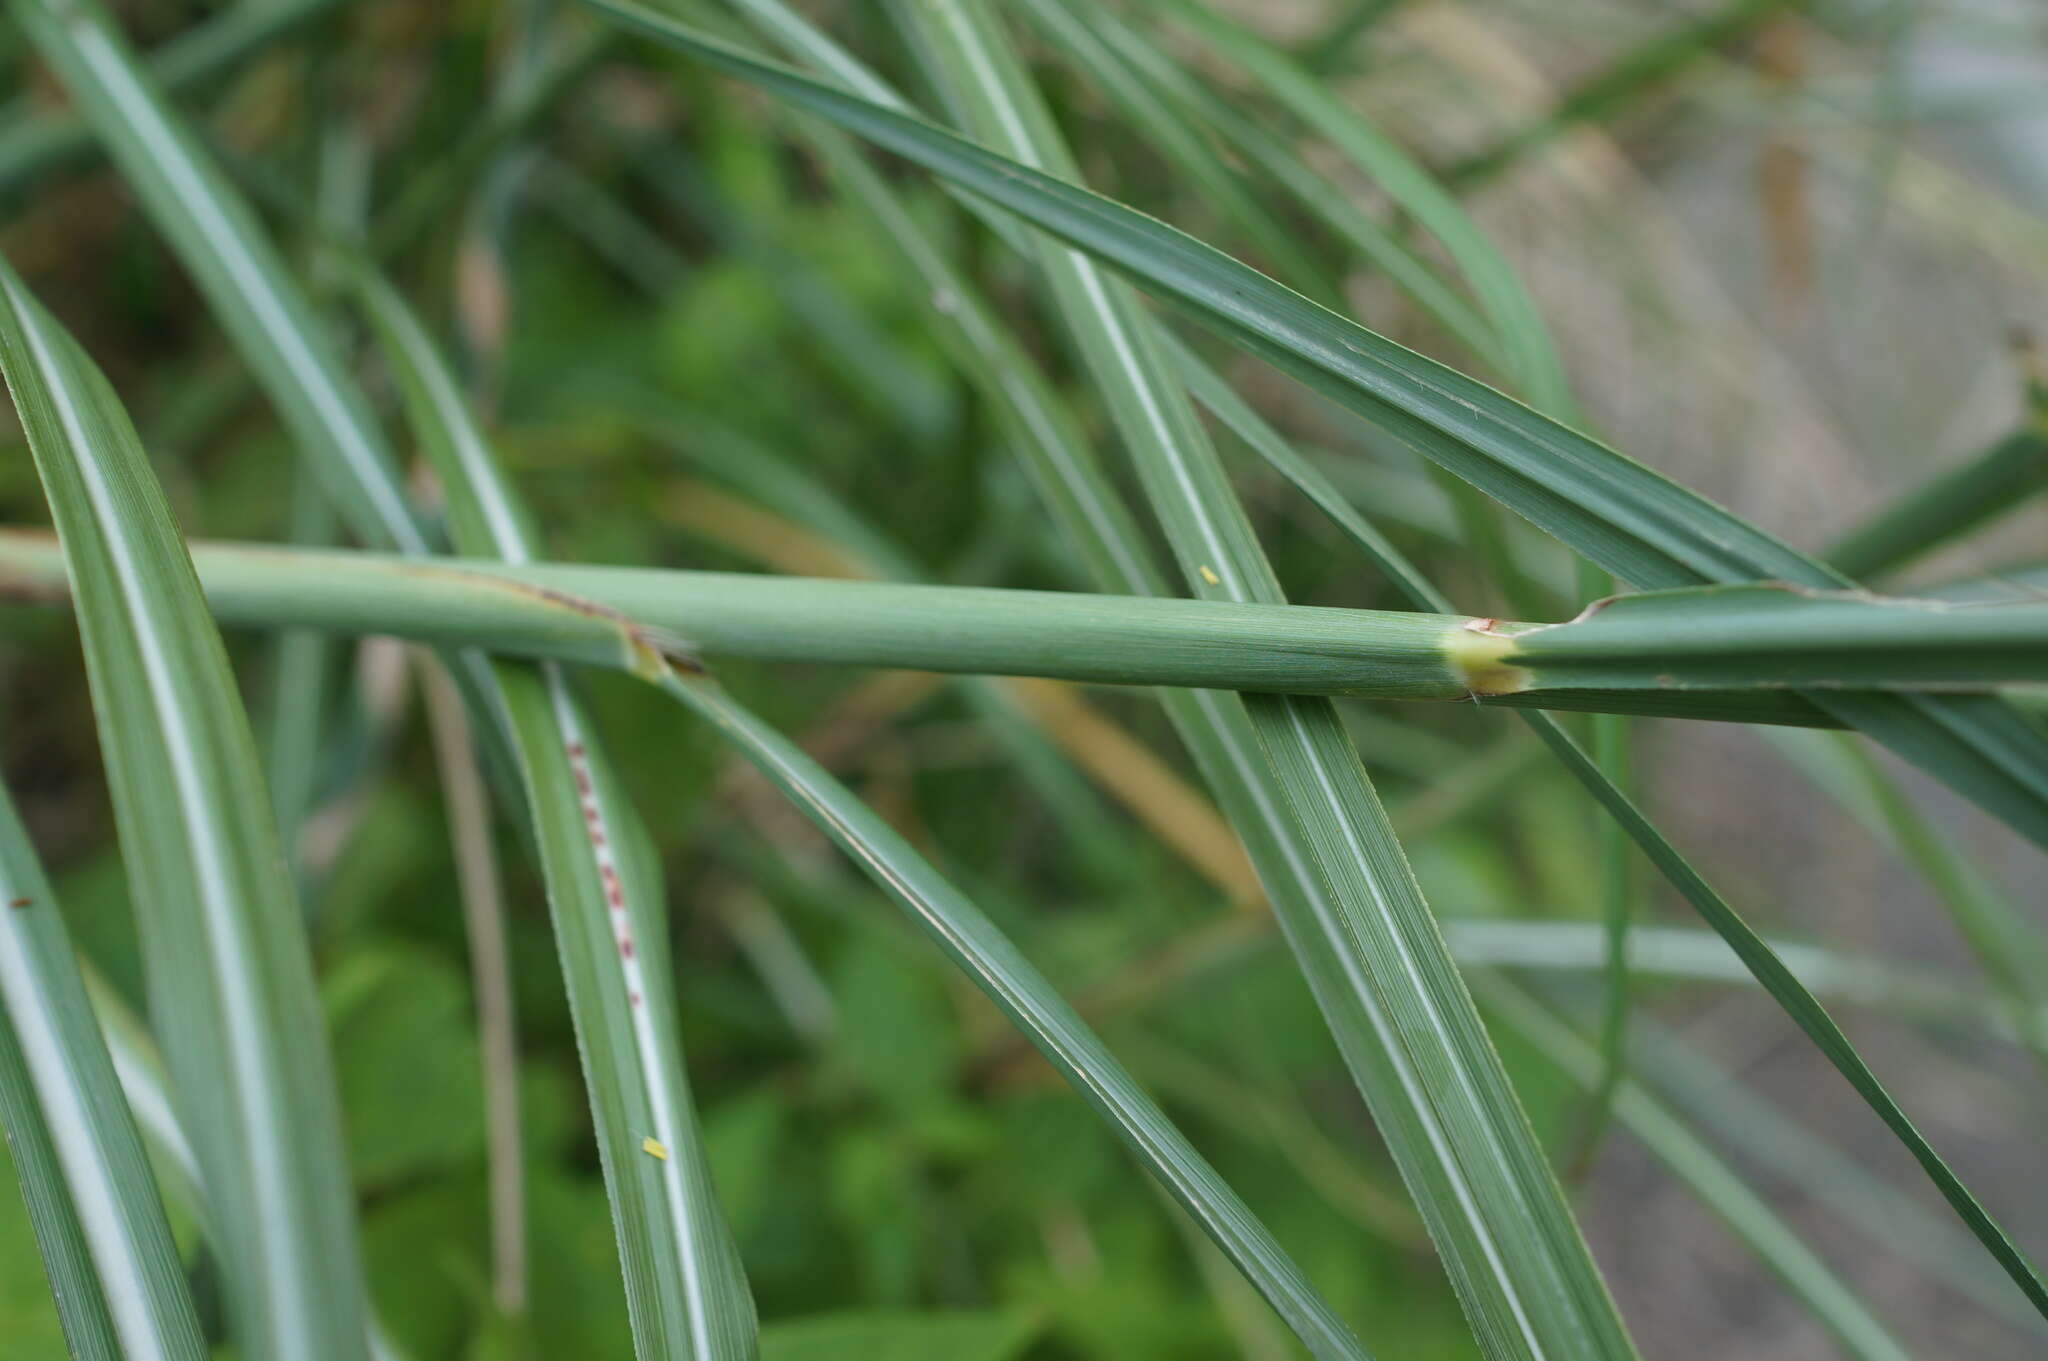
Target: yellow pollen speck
{"x":1209,"y":575}
{"x":653,"y":1147}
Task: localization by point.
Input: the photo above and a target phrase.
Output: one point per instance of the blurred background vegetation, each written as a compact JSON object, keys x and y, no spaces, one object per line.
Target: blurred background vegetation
{"x":1787,"y":250}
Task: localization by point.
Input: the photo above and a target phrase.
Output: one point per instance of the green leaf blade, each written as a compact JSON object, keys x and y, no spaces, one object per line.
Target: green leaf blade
{"x":1998,"y":480}
{"x":1338,"y":879}
{"x":1626,"y":518}
{"x":113,"y":1267}
{"x":995,"y":965}
{"x":217,"y":235}
{"x":230,"y":978}
{"x":1715,"y":637}
{"x":1717,"y":1185}
{"x":686,"y":1289}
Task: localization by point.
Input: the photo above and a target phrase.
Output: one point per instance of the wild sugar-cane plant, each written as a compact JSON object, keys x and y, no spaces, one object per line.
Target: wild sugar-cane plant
{"x":855,"y":1149}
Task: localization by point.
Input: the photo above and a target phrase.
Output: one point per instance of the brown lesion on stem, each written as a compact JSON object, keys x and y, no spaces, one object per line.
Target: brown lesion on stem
{"x":648,"y":652}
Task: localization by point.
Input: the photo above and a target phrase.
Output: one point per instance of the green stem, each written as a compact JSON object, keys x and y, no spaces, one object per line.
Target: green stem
{"x":622,"y":616}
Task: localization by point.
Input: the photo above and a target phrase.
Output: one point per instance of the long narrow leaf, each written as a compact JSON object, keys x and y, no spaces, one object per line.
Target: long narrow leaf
{"x":273,"y":323}
{"x":140,"y":1070}
{"x":32,"y":143}
{"x":119,"y":1285}
{"x":1770,"y":971}
{"x":1629,"y":76}
{"x":231,"y":983}
{"x":1807,"y":1012}
{"x":1632,"y":521}
{"x":1887,"y":1215}
{"x":1983,"y":735}
{"x":2000,"y":479}
{"x":262,"y":307}
{"x":1535,"y":367}
{"x":486,"y":511}
{"x":686,"y":1291}
{"x":1945,"y":1000}
{"x":1717,"y":1185}
{"x":995,"y":966}
{"x":1275,"y":157}
{"x":1376,"y":964}
{"x":231,"y":259}
{"x":1176,"y":138}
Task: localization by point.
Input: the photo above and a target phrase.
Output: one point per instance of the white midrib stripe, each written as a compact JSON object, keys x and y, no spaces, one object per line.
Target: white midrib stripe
{"x":279,"y":1258}
{"x":1016,"y":133}
{"x":88,"y":1167}
{"x":478,"y":467}
{"x":1395,"y":1047}
{"x":509,"y":540}
{"x":1088,"y":275}
{"x":646,"y":1041}
{"x":169,"y":159}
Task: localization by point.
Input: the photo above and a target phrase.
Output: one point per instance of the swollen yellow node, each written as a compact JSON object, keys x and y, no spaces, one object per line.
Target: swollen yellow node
{"x":1478,"y":657}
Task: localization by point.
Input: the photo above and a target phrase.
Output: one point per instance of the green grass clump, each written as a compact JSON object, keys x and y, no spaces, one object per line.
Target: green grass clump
{"x":747,"y":509}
